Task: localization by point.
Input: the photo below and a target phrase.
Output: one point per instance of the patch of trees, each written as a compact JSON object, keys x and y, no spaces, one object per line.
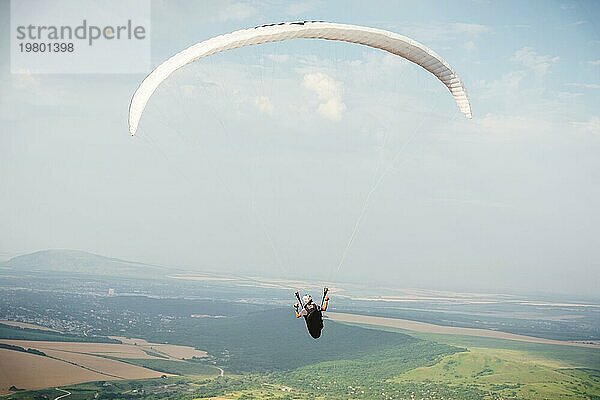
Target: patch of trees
{"x":17,"y":333}
{"x":21,"y":349}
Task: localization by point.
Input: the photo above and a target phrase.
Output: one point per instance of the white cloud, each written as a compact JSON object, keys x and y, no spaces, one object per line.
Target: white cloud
{"x":264,"y":104}
{"x":568,"y":95}
{"x":538,"y":63}
{"x":279,"y":58}
{"x":508,"y":127}
{"x":432,"y":32}
{"x":592,"y":125}
{"x":298,"y":8}
{"x":470,"y":45}
{"x":237,"y":11}
{"x":594,"y":63}
{"x":470,"y":29}
{"x":332,"y":109}
{"x":508,"y":85}
{"x":508,"y":124}
{"x":329,"y":92}
{"x":585,"y":85}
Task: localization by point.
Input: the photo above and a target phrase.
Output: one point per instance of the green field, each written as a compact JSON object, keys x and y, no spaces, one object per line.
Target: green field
{"x":577,"y":357}
{"x":509,"y":374}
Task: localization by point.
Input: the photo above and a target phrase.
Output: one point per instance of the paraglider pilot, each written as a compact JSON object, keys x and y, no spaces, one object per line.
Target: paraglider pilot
{"x":309,"y":305}
{"x":312,"y":312}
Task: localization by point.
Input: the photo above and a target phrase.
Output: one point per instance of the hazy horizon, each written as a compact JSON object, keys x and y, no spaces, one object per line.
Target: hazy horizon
{"x":353,"y":288}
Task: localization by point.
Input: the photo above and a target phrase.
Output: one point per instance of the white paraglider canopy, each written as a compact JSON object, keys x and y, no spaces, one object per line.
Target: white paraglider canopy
{"x":389,"y":41}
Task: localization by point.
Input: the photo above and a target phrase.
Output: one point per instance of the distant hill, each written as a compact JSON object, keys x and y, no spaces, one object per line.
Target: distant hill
{"x":62,"y":260}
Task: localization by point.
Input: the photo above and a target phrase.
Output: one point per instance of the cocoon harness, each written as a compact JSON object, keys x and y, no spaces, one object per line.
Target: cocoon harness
{"x":314,"y":320}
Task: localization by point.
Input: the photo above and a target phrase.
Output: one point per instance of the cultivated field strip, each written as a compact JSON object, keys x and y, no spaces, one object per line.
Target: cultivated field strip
{"x":424,"y":327}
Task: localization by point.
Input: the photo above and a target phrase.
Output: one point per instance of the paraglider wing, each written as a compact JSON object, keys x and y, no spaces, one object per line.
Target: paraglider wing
{"x":376,"y":38}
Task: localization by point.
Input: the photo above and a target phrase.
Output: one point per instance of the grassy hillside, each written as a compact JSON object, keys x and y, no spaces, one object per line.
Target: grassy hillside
{"x":575,"y":357}
{"x":508,"y":374}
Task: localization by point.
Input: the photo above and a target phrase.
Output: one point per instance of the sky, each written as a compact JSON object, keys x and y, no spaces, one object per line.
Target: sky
{"x":264,"y":160}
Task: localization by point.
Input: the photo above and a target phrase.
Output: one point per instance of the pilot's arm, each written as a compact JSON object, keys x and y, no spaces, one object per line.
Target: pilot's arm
{"x":325,"y":304}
